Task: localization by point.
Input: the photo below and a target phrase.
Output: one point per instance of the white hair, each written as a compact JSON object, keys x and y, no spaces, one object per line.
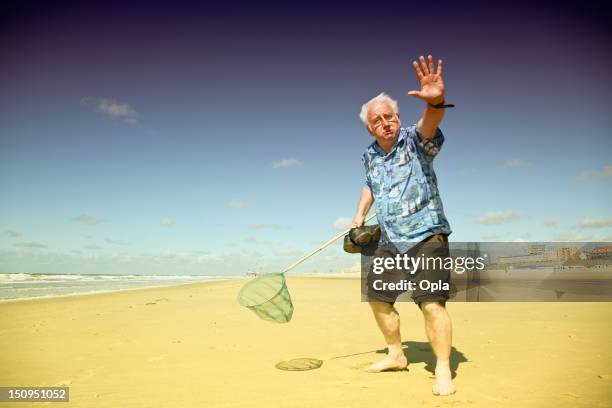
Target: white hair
{"x":382,"y":97}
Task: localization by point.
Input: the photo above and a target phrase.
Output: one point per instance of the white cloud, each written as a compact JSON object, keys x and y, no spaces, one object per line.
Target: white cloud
{"x":286,"y":163}
{"x":32,"y":245}
{"x":88,"y":219}
{"x":516,"y":163}
{"x":123,"y":262}
{"x":355,"y":268}
{"x":571,"y":237}
{"x":14,"y":234}
{"x":250,"y":240}
{"x":489,"y":237}
{"x":606,"y":172}
{"x":241,"y":203}
{"x":167,"y":221}
{"x":183,"y":257}
{"x":112,"y":108}
{"x":342,"y":223}
{"x":525,"y":237}
{"x":603,"y":222}
{"x":496,"y":217}
{"x":550,"y":222}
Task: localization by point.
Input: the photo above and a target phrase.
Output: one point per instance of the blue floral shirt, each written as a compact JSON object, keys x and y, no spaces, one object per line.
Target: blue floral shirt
{"x":405,"y":189}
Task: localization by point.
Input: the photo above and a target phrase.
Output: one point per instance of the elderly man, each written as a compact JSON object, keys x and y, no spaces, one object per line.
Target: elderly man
{"x":401,"y":183}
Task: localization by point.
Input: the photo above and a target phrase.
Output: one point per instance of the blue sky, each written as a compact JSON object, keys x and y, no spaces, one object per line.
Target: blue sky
{"x":212,"y":141}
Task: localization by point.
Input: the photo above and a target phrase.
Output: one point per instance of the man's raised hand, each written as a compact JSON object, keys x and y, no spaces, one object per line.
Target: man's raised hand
{"x":432,"y":86}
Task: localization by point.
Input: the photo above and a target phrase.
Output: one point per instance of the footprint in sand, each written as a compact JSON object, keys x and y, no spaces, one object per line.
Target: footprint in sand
{"x":157,"y":300}
{"x":87,"y":373}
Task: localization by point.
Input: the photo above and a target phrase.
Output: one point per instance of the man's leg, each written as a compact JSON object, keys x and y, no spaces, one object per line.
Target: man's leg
{"x":388,"y":321}
{"x":439,"y":332}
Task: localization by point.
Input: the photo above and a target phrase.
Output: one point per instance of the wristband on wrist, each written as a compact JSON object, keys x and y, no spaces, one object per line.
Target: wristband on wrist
{"x":441,"y":105}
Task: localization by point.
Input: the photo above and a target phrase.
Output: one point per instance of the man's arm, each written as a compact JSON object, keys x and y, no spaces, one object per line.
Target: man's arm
{"x":432,"y":92}
{"x":429,"y":122}
{"x":365,"y":202}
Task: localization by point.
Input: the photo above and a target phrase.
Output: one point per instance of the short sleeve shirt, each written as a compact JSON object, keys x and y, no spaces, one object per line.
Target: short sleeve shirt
{"x":405,"y":189}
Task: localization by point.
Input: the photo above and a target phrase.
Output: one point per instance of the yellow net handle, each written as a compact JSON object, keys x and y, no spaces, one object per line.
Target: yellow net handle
{"x":322,"y":247}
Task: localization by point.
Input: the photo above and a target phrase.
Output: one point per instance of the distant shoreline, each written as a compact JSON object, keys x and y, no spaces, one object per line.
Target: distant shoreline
{"x":106,"y":291}
{"x":339,"y":275}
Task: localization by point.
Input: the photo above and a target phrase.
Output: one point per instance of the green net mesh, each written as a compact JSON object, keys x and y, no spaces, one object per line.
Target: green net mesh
{"x":300,"y":364}
{"x":268,"y":297}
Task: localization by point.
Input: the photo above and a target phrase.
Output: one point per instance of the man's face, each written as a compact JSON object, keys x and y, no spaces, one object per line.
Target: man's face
{"x":383,"y":123}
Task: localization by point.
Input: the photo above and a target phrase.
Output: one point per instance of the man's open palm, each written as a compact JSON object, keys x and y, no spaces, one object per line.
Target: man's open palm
{"x":432,"y":86}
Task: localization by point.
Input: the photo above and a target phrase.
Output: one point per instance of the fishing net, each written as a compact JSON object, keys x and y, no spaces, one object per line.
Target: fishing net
{"x":268,"y":297}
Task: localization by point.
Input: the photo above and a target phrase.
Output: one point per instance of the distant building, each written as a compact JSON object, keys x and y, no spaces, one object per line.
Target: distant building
{"x":538,"y":254}
{"x":536,"y":249}
{"x":602,"y":252}
{"x":520,"y":258}
{"x":568,"y":253}
{"x":551,"y":255}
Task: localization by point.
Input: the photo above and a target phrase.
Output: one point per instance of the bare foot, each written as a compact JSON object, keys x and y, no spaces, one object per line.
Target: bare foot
{"x":444,"y":383}
{"x":389,"y":363}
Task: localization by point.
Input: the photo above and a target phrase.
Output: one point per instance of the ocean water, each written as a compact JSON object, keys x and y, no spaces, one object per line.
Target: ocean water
{"x":36,"y":285}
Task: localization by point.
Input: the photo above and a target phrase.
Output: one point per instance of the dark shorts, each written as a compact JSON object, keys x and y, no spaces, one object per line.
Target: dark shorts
{"x":431,"y":282}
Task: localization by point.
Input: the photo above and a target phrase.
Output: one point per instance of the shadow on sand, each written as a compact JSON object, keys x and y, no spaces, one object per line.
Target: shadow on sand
{"x":421,"y":352}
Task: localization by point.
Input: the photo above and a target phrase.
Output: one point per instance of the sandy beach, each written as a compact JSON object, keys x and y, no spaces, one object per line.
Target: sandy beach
{"x":194,"y":346}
